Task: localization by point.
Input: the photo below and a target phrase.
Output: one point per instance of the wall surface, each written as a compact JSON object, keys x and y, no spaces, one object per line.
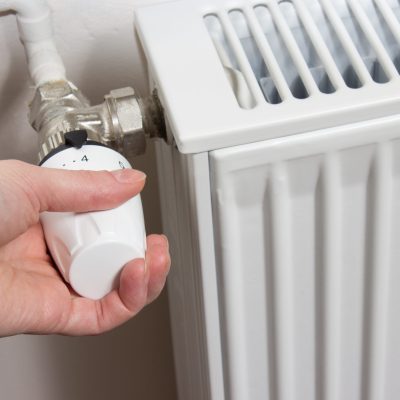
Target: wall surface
{"x":97,"y":42}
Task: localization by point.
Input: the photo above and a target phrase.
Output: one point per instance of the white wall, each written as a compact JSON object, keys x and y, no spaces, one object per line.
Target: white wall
{"x":100,"y":50}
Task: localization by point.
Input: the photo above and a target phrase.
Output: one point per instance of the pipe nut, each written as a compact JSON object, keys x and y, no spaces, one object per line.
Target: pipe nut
{"x":54,"y":99}
{"x":126,"y":120}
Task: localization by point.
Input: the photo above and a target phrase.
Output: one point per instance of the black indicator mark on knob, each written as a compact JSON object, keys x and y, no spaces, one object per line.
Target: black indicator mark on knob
{"x":75,"y":138}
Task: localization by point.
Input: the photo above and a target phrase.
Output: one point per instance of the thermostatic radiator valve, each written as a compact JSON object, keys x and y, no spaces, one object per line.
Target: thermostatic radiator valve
{"x":90,"y":249}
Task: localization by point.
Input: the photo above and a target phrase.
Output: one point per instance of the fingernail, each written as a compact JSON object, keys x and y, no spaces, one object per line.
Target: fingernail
{"x":166,"y":240}
{"x":128,"y":175}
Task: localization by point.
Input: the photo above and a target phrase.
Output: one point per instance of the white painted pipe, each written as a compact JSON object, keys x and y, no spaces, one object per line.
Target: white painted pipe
{"x":36,"y":33}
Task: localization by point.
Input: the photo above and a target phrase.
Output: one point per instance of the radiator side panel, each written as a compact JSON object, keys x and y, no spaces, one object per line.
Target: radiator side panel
{"x":306,"y":231}
{"x":192,"y":286}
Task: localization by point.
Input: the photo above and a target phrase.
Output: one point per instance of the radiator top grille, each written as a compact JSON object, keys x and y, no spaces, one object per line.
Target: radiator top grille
{"x":233,"y":72}
{"x":279,"y":50}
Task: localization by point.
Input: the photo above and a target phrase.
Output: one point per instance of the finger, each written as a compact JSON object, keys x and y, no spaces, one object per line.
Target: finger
{"x":61,"y":190}
{"x":90,"y":317}
{"x":158,"y":262}
{"x":27,"y":190}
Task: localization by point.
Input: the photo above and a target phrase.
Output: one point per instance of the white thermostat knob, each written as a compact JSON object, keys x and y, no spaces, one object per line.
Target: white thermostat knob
{"x":90,"y":249}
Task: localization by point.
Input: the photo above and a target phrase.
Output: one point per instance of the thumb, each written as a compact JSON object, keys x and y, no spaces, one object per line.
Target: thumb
{"x":26,"y":190}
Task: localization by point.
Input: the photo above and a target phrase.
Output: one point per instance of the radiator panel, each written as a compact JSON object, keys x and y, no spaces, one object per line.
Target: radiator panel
{"x":308,"y":265}
{"x":281,"y":195}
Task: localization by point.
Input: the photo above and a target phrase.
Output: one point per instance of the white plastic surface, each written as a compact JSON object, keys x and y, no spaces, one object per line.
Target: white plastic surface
{"x":90,"y":249}
{"x":36,"y":33}
{"x":338,"y":40}
{"x":307,"y":230}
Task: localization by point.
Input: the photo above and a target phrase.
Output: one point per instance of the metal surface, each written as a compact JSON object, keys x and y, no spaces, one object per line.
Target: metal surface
{"x":125,"y":118}
{"x":119,"y":122}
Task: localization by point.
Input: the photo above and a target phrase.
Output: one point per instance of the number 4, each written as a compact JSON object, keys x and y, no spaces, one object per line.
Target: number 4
{"x":84,"y":158}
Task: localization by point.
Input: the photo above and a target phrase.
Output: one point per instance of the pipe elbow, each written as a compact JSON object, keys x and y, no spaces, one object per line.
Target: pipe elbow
{"x":25,"y":8}
{"x":36,"y":33}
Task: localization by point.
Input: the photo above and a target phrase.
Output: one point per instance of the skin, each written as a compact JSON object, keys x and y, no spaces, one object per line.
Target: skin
{"x":33,"y":296}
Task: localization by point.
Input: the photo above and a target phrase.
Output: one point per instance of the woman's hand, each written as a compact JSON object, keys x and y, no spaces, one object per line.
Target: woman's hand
{"x":33,"y":296}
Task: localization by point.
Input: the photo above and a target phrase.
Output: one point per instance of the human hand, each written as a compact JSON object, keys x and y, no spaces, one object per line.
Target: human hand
{"x":33,"y":296}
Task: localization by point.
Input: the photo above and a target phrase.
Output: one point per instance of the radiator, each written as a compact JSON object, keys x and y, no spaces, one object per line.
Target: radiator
{"x":280,"y":188}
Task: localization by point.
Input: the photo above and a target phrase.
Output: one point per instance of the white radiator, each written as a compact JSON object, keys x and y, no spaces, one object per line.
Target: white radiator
{"x":280,"y":190}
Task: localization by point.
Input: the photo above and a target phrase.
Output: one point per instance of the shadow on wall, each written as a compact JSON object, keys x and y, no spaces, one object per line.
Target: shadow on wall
{"x":133,"y":362}
{"x":129,"y":363}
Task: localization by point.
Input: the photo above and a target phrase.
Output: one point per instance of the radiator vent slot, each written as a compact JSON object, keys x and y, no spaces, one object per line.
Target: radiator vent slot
{"x":307,"y":48}
{"x":230,"y":61}
{"x":283,"y":50}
